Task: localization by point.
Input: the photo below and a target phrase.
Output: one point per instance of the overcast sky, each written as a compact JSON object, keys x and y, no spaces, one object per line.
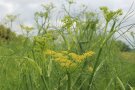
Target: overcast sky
{"x":27,"y":8}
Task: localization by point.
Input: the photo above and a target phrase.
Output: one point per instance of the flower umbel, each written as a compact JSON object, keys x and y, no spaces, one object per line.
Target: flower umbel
{"x":66,"y":59}
{"x":50,"y":52}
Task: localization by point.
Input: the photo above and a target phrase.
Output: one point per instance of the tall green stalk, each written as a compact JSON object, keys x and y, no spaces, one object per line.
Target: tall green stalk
{"x":69,"y":81}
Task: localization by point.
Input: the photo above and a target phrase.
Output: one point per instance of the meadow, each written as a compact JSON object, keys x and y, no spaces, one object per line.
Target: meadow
{"x":80,"y":53}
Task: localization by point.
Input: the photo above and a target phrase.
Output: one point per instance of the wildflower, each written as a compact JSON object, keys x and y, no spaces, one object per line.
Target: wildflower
{"x":66,"y":59}
{"x":88,"y":54}
{"x":27,"y":28}
{"x":64,"y":52}
{"x":50,"y":52}
{"x":61,"y":60}
{"x":119,"y":11}
{"x":109,"y":14}
{"x":56,"y":55}
{"x":68,"y":64}
{"x":80,"y":58}
{"x":73,"y":55}
{"x":90,"y":69}
{"x":76,"y":57}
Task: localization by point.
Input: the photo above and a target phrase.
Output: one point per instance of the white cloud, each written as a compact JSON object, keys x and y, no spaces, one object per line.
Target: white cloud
{"x":8,"y":7}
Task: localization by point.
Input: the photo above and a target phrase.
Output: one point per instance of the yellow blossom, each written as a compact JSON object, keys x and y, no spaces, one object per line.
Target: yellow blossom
{"x":88,"y":54}
{"x":61,"y":60}
{"x":50,"y":52}
{"x":78,"y":58}
{"x":73,"y":55}
{"x":66,"y":59}
{"x":90,"y":69}
{"x":68,"y":64}
{"x":56,"y":55}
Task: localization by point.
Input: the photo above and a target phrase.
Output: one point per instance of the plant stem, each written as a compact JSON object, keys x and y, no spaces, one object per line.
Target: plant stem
{"x":69,"y":81}
{"x":95,"y":66}
{"x":44,"y":82}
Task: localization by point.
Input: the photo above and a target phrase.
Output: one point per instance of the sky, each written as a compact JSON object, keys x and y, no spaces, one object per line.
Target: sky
{"x":27,"y":8}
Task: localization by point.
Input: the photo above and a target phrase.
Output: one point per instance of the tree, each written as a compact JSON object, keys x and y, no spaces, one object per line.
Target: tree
{"x":6,"y":33}
{"x":122,"y":46}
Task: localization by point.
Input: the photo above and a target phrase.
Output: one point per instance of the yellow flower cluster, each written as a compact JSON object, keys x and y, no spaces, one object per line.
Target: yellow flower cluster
{"x":89,"y":54}
{"x":50,"y":52}
{"x":61,"y":58}
{"x":76,"y":57}
{"x":80,"y":58}
{"x":66,"y":59}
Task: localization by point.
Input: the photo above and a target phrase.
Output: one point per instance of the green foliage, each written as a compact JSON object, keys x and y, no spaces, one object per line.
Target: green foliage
{"x":110,"y":15}
{"x":6,"y":33}
{"x":42,"y":18}
{"x":123,"y":46}
{"x":24,"y":64}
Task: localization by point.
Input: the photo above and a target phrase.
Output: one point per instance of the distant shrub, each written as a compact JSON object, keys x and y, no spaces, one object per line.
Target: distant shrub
{"x":6,"y":33}
{"x":122,"y":46}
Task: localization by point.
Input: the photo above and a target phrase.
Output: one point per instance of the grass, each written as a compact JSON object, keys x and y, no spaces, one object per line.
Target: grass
{"x":17,"y":74}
